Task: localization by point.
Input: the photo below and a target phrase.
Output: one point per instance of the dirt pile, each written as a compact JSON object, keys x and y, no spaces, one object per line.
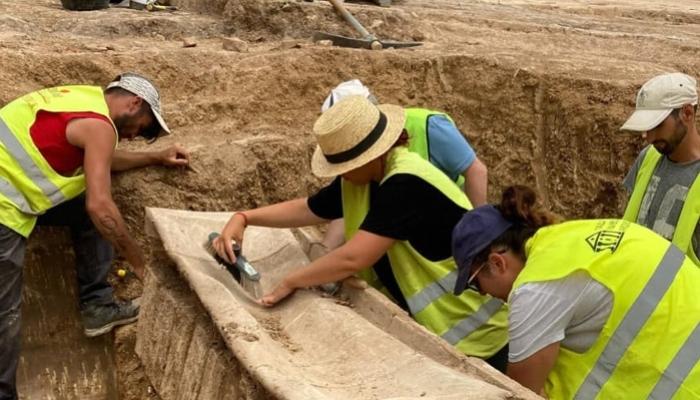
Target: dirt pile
{"x":538,"y":88}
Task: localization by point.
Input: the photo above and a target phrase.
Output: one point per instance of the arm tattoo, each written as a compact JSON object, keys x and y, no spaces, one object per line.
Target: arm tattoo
{"x":117,"y":236}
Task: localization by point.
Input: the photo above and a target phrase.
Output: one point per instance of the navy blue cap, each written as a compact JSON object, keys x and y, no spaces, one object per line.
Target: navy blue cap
{"x":476,"y":230}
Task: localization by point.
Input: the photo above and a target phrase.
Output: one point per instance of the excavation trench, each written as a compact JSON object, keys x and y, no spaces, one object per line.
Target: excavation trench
{"x":247,"y":119}
{"x":254,"y":149}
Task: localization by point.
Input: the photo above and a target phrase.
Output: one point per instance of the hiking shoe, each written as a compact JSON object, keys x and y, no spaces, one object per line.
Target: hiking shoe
{"x":102,"y":318}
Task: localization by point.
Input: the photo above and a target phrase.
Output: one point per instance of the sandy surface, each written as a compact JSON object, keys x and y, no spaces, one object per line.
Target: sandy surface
{"x":540,"y":89}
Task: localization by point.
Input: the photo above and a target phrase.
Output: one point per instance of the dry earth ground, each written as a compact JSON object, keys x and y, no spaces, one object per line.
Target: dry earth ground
{"x":538,"y":87}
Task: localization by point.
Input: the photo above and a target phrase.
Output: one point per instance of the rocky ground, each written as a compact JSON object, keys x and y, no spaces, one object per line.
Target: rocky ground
{"x":539,"y":88}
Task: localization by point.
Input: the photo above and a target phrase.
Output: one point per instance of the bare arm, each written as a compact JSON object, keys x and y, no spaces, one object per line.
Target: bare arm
{"x":289,"y":214}
{"x":476,"y":180}
{"x":532,"y":371}
{"x":97,"y":138}
{"x":360,"y":252}
{"x":172,"y":156}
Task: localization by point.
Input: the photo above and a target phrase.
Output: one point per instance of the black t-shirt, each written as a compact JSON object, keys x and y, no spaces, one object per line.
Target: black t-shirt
{"x":404,"y":207}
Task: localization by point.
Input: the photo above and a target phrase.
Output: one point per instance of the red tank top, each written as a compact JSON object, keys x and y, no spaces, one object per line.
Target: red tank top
{"x":49,"y":136}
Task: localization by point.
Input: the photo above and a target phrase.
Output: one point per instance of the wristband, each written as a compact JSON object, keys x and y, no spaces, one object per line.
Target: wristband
{"x":245,"y":218}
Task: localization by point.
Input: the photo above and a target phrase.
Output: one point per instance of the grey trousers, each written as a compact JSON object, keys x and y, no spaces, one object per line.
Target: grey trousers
{"x":94,"y":257}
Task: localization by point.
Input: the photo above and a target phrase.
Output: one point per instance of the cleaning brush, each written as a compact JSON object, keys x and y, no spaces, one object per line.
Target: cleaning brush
{"x":242,"y":271}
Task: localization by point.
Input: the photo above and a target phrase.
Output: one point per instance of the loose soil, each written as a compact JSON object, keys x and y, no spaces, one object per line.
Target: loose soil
{"x":538,"y":87}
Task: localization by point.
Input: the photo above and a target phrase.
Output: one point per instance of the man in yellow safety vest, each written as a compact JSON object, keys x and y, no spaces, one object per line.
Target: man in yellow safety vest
{"x":57,"y":149}
{"x":665,"y":194}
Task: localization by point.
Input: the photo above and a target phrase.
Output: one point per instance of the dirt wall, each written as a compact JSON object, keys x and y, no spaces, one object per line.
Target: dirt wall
{"x":538,"y":88}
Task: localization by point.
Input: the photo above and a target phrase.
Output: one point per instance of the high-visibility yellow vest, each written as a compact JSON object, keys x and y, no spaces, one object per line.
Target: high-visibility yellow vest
{"x":28,"y":184}
{"x":690,"y":214}
{"x":649,"y":347}
{"x":475,"y":324}
{"x":417,"y":127}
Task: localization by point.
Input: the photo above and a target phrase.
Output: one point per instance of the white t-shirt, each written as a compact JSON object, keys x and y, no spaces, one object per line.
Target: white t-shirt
{"x":572,"y":310}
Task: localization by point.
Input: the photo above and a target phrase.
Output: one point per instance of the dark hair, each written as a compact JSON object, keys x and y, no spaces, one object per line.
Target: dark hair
{"x":519,"y":205}
{"x":150,"y":133}
{"x":402,"y":140}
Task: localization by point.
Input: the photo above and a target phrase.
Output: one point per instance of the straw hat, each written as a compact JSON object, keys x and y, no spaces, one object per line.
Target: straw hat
{"x":352,"y":133}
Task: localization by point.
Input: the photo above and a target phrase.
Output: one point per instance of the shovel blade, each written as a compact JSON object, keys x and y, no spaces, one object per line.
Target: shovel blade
{"x":366,"y":43}
{"x":398,"y":45}
{"x":343,"y":41}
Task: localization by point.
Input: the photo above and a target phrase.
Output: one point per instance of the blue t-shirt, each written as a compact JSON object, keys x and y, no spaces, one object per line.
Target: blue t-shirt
{"x":449,"y":150}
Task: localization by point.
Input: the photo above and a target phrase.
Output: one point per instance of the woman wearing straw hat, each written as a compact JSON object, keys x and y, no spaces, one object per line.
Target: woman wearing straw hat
{"x":431,"y":134}
{"x":400,"y":241}
{"x":599,"y":309}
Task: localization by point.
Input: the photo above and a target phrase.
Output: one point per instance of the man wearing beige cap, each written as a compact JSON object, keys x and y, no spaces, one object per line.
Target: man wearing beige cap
{"x":57,"y":149}
{"x":665,"y":194}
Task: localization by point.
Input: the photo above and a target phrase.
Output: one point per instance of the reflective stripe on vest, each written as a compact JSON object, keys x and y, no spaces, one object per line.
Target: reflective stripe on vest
{"x":29,"y":185}
{"x":15,"y":196}
{"x":684,"y":361}
{"x":422,"y":299}
{"x":632,"y":323}
{"x":30,"y":168}
{"x":648,"y":346}
{"x":419,"y":301}
{"x":690,"y":213}
{"x":473,"y":322}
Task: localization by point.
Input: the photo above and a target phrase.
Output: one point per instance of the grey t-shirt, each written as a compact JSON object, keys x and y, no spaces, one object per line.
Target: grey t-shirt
{"x":572,"y":310}
{"x":665,"y":196}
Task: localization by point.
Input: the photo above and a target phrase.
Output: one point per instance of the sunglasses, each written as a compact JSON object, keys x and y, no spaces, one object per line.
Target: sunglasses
{"x":473,"y":283}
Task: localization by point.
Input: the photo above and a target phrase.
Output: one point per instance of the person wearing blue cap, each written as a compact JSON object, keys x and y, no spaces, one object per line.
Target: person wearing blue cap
{"x":399,"y":213}
{"x":598,"y":308}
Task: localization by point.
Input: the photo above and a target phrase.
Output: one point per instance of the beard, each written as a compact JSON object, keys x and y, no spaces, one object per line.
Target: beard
{"x":668,"y":146}
{"x":123,"y":123}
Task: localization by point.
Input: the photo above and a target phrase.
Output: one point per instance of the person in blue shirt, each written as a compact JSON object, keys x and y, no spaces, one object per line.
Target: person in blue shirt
{"x":434,"y":136}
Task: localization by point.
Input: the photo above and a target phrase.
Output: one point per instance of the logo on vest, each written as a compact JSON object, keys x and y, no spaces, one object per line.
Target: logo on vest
{"x":605,"y":240}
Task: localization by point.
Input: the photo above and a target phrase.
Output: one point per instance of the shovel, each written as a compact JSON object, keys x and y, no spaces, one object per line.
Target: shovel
{"x":149,"y":5}
{"x":368,"y":40}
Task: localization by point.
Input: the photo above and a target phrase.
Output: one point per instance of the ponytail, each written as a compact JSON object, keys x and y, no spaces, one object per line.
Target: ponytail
{"x":519,"y":205}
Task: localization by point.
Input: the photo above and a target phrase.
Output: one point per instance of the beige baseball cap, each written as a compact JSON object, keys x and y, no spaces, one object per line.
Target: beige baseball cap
{"x":658,"y":97}
{"x":145,"y":89}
